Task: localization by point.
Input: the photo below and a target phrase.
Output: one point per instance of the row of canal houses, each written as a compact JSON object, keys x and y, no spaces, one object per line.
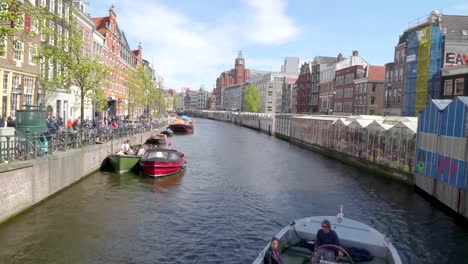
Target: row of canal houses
{"x":103,"y":38}
{"x":429,"y":62}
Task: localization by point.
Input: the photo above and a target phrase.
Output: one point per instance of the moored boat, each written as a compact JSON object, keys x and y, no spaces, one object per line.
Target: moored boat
{"x":298,"y":238}
{"x":181,"y":128}
{"x":168,"y":132}
{"x":162,"y":138}
{"x":162,"y":162}
{"x":123,"y":163}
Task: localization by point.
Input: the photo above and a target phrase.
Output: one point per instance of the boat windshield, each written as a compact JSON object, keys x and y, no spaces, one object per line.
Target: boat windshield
{"x":163,"y":155}
{"x":157,"y":154}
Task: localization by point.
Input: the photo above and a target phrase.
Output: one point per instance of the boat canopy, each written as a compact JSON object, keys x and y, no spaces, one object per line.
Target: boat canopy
{"x":163,"y":155}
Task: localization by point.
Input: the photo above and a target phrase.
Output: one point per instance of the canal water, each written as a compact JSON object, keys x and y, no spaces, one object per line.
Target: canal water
{"x":239,"y":189}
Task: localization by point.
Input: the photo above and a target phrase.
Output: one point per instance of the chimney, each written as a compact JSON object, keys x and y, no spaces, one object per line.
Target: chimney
{"x":340,"y":57}
{"x":355,"y":53}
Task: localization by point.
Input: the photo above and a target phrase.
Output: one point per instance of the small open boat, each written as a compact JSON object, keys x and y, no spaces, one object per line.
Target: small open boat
{"x":298,"y":238}
{"x":162,"y":162}
{"x":122,"y":162}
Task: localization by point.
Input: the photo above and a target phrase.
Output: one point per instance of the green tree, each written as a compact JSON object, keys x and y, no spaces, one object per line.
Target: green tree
{"x":175,"y":101}
{"x":81,"y":69}
{"x":252,"y":102}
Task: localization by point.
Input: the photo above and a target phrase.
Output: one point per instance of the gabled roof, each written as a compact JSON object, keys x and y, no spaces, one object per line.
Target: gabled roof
{"x":463,"y":99}
{"x":341,"y":121}
{"x":453,"y":26}
{"x":411,"y":126}
{"x":378,"y":125}
{"x":100,"y":23}
{"x":324,"y":60}
{"x":376,"y":73}
{"x":360,"y":123}
{"x":441,"y":103}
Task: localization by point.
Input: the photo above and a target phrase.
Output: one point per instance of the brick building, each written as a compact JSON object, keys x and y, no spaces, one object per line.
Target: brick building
{"x":238,"y":75}
{"x":395,"y":81}
{"x":303,"y":84}
{"x":368,"y":94}
{"x":119,"y":56}
{"x":344,"y":88}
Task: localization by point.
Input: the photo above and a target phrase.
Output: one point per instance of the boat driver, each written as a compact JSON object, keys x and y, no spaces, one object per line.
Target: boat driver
{"x":326,"y":236}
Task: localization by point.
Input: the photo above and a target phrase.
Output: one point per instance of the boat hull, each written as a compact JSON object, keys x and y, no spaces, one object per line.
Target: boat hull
{"x":122,"y":163}
{"x":160,"y":171}
{"x":181,"y":129}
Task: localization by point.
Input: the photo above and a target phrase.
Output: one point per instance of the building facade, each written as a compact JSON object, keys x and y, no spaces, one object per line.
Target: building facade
{"x":238,"y":75}
{"x":435,"y":44}
{"x":18,"y":70}
{"x":369,"y":88}
{"x":344,"y":89}
{"x":304,"y":84}
{"x":395,"y":77}
{"x":284,"y":105}
{"x":119,"y":57}
{"x":319,"y":64}
{"x":233,"y":97}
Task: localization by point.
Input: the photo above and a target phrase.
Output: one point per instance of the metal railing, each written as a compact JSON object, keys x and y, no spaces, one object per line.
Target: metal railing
{"x":27,"y":146}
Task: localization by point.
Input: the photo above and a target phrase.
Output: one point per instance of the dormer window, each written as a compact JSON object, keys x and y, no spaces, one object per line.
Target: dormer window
{"x":464,"y":32}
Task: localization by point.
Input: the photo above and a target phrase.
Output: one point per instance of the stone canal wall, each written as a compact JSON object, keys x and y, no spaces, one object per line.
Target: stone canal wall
{"x":355,"y":144}
{"x":26,"y":183}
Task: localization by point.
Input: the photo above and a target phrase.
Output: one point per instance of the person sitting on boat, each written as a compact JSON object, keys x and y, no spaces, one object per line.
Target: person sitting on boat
{"x":326,"y":236}
{"x":273,"y":256}
{"x":126,"y":150}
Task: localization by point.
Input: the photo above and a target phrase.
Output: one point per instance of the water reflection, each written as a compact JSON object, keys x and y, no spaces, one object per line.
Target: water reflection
{"x":239,"y":188}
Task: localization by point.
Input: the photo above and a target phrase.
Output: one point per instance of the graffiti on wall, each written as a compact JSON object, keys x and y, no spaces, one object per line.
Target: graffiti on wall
{"x":447,"y":167}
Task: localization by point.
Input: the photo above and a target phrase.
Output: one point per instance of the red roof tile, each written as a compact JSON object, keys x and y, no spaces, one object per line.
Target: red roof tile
{"x":100,"y":23}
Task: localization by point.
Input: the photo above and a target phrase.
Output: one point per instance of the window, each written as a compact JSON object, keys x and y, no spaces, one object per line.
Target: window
{"x":270,"y":93}
{"x":34,"y":26}
{"x":373,"y":88}
{"x":43,"y":27}
{"x":65,"y":33}
{"x":28,"y":90}
{"x":15,"y":88}
{"x":43,"y":3}
{"x":3,"y":46}
{"x":51,"y":36}
{"x":67,"y":11}
{"x":51,"y":5}
{"x":32,"y":53}
{"x":59,"y":7}
{"x":5,"y":83}
{"x":448,"y":87}
{"x":18,"y":55}
{"x":459,"y":86}
{"x":372,"y":100}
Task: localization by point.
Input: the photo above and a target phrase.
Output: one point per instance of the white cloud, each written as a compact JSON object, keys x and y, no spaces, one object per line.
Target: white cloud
{"x":269,"y":23}
{"x":189,"y":53}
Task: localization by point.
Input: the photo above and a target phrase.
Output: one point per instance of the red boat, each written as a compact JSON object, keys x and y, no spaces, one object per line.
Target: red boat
{"x":162,"y":162}
{"x":181,"y":128}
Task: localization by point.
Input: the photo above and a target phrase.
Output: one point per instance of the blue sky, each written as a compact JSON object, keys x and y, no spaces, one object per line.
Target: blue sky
{"x":192,"y":41}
